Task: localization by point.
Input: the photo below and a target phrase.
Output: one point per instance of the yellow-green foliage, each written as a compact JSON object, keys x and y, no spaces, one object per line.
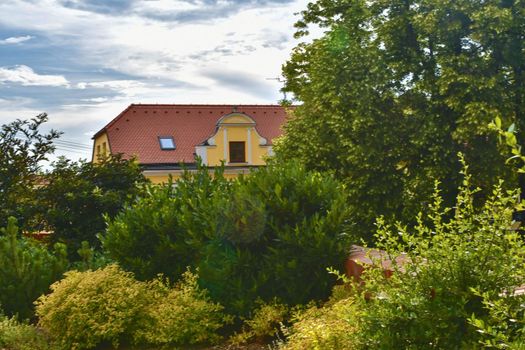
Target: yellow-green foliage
{"x":21,"y":336}
{"x":452,"y":292}
{"x":182,"y":315}
{"x":87,"y":308}
{"x":265,"y":322}
{"x":108,"y":306}
{"x":331,"y":327}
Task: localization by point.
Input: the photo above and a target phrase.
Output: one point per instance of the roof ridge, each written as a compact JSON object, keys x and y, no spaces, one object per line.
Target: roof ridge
{"x":175,"y":105}
{"x":203,"y":105}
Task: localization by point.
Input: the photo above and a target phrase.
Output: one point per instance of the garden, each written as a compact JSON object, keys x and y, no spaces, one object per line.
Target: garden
{"x":407,"y":141}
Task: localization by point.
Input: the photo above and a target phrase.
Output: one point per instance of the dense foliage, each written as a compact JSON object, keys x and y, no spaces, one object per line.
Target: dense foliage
{"x":15,"y":335}
{"x":459,"y":279}
{"x":108,"y":306}
{"x":27,"y":269}
{"x":270,"y":234}
{"x":264,"y":323}
{"x":22,"y":149}
{"x":164,"y":230}
{"x":395,"y":88}
{"x":77,"y":195}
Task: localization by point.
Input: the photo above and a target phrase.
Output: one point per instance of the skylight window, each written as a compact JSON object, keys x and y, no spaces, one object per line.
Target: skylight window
{"x":166,"y":142}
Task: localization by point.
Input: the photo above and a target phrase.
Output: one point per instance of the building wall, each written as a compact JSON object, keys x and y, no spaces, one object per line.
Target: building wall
{"x":162,"y":177}
{"x":101,"y":147}
{"x":236,"y":128}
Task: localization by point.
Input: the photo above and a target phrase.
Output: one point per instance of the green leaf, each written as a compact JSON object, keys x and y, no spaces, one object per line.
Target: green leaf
{"x":497,"y":121}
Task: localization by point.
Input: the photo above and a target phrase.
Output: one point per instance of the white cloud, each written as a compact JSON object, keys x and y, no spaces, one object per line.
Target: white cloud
{"x":25,"y":76}
{"x":15,"y":40}
{"x":225,"y":59}
{"x":125,"y":88}
{"x":97,"y":99}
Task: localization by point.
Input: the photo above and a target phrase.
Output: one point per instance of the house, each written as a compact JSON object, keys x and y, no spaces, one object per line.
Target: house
{"x":166,"y":139}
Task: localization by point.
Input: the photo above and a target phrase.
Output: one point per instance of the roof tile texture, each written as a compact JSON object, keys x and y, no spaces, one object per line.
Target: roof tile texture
{"x":136,"y":130}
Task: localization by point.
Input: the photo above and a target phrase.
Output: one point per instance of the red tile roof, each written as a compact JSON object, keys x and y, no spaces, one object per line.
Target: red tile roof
{"x":135,"y":131}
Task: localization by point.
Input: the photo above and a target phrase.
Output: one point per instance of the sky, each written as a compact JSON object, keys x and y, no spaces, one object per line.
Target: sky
{"x":84,"y":61}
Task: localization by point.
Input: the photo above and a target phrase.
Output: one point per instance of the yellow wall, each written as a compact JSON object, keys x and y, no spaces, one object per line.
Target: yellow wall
{"x":236,"y":128}
{"x":163,"y":178}
{"x":101,"y":144}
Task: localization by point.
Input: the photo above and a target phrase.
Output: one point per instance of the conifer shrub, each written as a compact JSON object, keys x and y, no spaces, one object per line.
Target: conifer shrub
{"x":27,"y":269}
{"x":282,"y":226}
{"x":110,"y":307}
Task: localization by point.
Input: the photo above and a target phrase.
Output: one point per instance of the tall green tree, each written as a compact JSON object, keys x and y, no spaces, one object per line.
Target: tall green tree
{"x":23,"y":147}
{"x":393,"y":89}
{"x":77,"y":196}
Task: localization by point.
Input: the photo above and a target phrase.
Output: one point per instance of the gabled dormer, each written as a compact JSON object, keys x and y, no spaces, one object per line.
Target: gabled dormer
{"x":236,"y":141}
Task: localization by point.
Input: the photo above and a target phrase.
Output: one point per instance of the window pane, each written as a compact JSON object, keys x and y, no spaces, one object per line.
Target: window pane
{"x":166,"y":143}
{"x":237,"y":154}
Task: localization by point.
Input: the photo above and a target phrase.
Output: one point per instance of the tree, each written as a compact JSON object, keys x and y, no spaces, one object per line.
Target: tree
{"x":78,"y":195}
{"x":395,"y":88}
{"x":27,"y":269}
{"x":22,"y":149}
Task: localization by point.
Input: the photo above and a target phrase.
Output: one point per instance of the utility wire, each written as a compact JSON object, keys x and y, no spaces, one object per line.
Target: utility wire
{"x":71,"y":143}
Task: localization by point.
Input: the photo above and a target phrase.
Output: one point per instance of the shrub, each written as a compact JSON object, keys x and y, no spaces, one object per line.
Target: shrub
{"x":303,"y":233}
{"x":21,"y":336}
{"x":333,"y":326}
{"x":92,"y":307}
{"x":265,"y":322}
{"x":504,"y":327}
{"x":454,"y":291}
{"x":270,"y":234}
{"x":108,"y":306}
{"x":429,"y":305}
{"x":27,"y":269}
{"x":164,"y":231}
{"x":182,"y":315}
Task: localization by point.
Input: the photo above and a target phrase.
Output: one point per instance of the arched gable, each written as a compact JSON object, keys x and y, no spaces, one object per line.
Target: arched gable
{"x":235,"y":134}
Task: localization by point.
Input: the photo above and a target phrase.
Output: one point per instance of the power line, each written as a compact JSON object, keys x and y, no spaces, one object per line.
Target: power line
{"x":71,"y":146}
{"x":72,"y":150}
{"x":65,"y":147}
{"x":65,"y":144}
{"x":76,"y":144}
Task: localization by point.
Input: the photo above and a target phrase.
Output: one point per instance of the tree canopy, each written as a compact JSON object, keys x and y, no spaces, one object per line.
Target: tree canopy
{"x":394,"y":89}
{"x":77,"y":196}
{"x":23,"y":147}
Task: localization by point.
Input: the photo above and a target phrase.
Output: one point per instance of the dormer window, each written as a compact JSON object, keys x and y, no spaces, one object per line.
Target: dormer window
{"x":166,"y":143}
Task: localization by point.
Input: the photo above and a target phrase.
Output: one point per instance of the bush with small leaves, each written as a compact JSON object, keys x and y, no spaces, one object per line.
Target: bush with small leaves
{"x":268,"y":235}
{"x":182,"y":315}
{"x":22,"y":336}
{"x":265,"y":323}
{"x":109,"y":307}
{"x":330,"y":327}
{"x":455,"y":290}
{"x":88,"y":308}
